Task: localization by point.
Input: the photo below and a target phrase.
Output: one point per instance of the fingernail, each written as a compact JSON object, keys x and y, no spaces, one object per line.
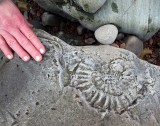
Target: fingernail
{"x":9,"y":56}
{"x":38,"y":58}
{"x":26,"y":58}
{"x":42,"y":51}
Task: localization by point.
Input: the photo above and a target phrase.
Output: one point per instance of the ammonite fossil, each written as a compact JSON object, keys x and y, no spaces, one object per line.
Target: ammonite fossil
{"x":104,"y":87}
{"x":114,"y":86}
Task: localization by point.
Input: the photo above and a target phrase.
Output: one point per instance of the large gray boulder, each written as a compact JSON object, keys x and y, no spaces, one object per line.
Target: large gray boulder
{"x":79,"y":86}
{"x":137,"y":17}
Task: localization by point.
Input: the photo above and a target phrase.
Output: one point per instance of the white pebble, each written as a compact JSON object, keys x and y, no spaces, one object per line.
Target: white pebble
{"x":106,"y":34}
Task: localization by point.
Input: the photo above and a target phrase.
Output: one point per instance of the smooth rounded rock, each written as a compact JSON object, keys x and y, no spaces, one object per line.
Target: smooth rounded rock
{"x":50,"y":19}
{"x":134,"y":45}
{"x":120,"y":36}
{"x":106,"y":34}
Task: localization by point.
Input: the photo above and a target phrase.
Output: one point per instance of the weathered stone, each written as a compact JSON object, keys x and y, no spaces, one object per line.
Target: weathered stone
{"x":106,"y":34}
{"x":79,"y":86}
{"x":137,"y":17}
{"x":90,"y":6}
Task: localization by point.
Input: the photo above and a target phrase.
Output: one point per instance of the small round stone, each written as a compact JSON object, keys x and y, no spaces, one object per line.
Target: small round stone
{"x":134,"y":45}
{"x":50,"y":19}
{"x":106,"y":34}
{"x":120,"y":36}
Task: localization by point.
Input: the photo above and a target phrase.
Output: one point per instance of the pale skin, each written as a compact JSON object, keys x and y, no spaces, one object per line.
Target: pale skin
{"x":16,"y":34}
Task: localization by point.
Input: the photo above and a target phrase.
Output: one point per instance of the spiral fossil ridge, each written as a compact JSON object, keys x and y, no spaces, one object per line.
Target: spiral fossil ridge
{"x":116,"y":86}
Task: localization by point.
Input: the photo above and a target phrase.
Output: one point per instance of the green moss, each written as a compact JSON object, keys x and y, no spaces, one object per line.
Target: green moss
{"x":86,"y":6}
{"x":152,"y":28}
{"x":61,"y":3}
{"x":83,"y":15}
{"x":91,"y":18}
{"x":149,"y":20}
{"x":114,"y":7}
{"x":81,"y":18}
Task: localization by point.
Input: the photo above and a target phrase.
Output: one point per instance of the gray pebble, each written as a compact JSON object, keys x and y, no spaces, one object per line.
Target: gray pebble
{"x":37,"y":24}
{"x":134,"y":45}
{"x":50,"y":19}
{"x":120,"y":36}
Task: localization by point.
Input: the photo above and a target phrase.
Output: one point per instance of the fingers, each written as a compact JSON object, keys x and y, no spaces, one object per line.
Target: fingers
{"x":12,"y":43}
{"x":30,"y":25}
{"x":32,"y":38}
{"x":26,"y":44}
{"x":5,"y":49}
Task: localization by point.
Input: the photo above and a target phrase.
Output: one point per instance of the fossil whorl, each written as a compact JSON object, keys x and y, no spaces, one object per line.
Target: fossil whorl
{"x":114,"y":86}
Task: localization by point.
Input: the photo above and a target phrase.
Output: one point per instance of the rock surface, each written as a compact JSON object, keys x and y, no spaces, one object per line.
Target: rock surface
{"x":79,"y":86}
{"x":137,"y":17}
{"x":106,"y":34}
{"x":90,"y":6}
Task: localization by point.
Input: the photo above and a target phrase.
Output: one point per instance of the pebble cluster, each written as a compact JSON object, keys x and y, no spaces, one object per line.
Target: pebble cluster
{"x":106,"y":34}
{"x":78,"y":35}
{"x":75,"y":34}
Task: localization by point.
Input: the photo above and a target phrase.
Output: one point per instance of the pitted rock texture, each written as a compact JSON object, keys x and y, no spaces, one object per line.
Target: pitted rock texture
{"x":137,"y":17}
{"x":79,"y":86}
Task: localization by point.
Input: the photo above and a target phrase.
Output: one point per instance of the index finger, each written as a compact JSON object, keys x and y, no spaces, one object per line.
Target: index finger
{"x":32,"y":38}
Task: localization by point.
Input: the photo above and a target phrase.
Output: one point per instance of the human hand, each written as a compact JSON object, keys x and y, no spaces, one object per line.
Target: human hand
{"x":16,"y":34}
